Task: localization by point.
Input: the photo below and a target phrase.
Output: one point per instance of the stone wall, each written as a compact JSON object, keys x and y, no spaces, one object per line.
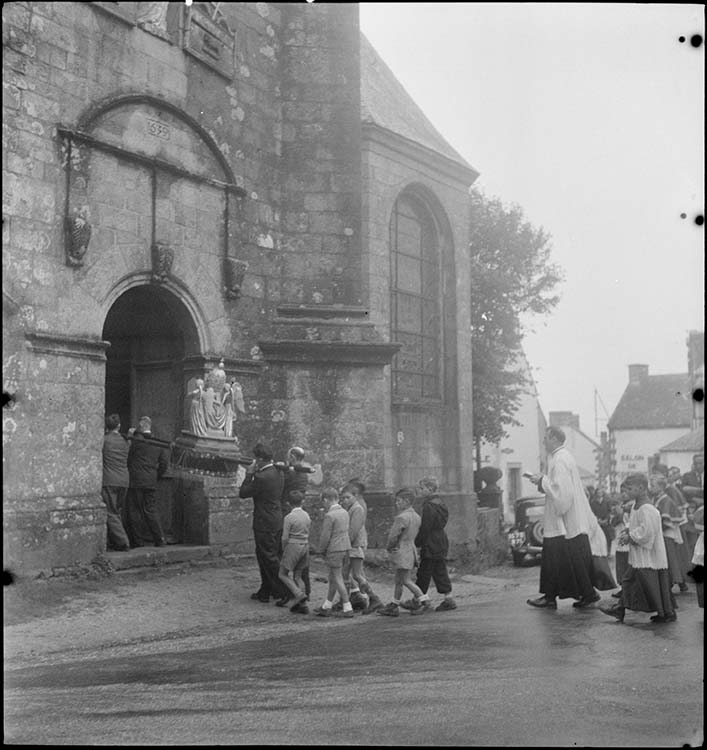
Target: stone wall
{"x":280,"y":118}
{"x":189,"y":162}
{"x":52,"y":508}
{"x":392,"y":167}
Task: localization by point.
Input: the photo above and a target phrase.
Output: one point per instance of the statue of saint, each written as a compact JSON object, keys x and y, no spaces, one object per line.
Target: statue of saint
{"x":214,"y":404}
{"x":196,"y":420}
{"x":232,"y":400}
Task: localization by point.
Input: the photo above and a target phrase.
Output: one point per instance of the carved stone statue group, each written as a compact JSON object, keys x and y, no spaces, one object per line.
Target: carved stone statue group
{"x":214,"y":404}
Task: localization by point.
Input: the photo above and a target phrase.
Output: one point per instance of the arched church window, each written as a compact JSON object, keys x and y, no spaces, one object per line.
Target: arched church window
{"x":415,"y":301}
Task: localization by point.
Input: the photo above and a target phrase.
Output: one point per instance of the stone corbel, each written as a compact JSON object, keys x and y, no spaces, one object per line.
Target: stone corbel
{"x":234,"y":273}
{"x":162,"y":259}
{"x":77,"y":235}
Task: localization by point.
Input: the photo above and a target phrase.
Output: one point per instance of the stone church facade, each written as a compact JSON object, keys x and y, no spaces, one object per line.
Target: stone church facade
{"x":236,"y":182}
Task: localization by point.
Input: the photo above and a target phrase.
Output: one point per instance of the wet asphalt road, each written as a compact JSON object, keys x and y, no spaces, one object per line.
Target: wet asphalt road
{"x":493,"y":672}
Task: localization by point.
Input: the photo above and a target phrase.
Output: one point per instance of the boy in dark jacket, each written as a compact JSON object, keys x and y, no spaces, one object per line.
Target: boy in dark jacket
{"x":434,"y":545}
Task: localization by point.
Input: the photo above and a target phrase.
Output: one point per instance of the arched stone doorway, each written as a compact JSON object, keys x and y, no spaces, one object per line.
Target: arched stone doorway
{"x":152,"y":336}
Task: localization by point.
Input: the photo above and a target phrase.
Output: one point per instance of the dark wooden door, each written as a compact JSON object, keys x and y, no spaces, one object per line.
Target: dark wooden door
{"x":157,"y":394}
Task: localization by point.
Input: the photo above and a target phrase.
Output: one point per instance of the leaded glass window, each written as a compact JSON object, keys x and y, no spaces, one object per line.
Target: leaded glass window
{"x":415,"y":302}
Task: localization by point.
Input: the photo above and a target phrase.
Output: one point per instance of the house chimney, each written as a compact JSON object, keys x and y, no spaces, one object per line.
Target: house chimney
{"x":637,"y":373}
{"x":564,"y":419}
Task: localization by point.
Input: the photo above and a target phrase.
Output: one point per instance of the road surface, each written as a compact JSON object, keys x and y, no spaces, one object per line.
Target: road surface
{"x":192,"y":660}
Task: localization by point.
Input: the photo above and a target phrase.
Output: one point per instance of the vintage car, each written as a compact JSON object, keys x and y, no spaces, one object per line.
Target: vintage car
{"x":526,"y":536}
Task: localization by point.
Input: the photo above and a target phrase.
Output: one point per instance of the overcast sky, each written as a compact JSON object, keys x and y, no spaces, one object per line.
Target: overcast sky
{"x":590,"y":117}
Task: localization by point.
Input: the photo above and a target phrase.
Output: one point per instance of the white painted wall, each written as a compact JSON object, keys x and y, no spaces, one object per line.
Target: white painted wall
{"x":522,"y":449}
{"x":583,"y":449}
{"x":681,"y":459}
{"x":633,"y":448}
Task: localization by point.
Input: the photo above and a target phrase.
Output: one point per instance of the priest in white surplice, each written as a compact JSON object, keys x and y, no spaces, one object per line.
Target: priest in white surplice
{"x":566,"y":567}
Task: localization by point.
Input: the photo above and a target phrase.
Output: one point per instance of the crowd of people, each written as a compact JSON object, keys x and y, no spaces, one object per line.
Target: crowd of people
{"x":655,"y":522}
{"x":132,"y":467}
{"x":654,"y":525}
{"x":281,"y":529}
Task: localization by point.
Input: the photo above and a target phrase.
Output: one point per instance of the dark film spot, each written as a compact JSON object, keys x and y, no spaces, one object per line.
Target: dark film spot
{"x":695,"y":40}
{"x":698,"y":394}
{"x":7,"y":578}
{"x":681,"y":39}
{"x":699,"y":220}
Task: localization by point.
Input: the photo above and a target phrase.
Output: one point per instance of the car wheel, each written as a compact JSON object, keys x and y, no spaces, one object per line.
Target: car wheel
{"x":518,"y":558}
{"x":537,"y":532}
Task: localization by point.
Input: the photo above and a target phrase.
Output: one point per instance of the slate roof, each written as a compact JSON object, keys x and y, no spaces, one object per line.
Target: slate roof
{"x":386,"y":103}
{"x":656,"y":402}
{"x":692,"y":442}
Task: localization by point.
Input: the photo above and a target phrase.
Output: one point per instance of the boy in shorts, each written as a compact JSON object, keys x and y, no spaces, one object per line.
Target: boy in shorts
{"x":295,"y":552}
{"x":333,"y":545}
{"x":355,"y":488}
{"x":403,"y":555}
{"x":357,"y":554}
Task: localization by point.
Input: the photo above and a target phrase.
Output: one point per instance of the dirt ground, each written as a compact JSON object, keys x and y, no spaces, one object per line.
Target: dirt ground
{"x":45,"y":618}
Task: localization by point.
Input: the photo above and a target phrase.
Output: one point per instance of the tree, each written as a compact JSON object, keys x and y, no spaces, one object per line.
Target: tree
{"x":512,"y":279}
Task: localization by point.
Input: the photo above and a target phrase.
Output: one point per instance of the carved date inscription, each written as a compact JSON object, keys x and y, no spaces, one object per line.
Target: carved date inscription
{"x":158,"y":129}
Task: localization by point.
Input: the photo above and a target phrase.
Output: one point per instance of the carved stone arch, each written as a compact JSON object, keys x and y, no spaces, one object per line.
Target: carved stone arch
{"x":173,"y":167}
{"x":429,"y":199}
{"x":181,"y":295}
{"x":88,"y":119}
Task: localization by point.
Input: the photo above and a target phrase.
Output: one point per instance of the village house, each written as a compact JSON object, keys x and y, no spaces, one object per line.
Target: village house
{"x":653,"y":411}
{"x":225,"y":190}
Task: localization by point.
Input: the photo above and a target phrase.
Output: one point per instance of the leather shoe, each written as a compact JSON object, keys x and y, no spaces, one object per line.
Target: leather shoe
{"x":282,"y":602}
{"x":257,"y":596}
{"x":543,"y":602}
{"x":664,"y":618}
{"x":615,"y":610}
{"x":586,"y":602}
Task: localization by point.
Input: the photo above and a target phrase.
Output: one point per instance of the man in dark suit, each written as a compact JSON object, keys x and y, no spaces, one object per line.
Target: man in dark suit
{"x":264,"y":482}
{"x":148,"y":460}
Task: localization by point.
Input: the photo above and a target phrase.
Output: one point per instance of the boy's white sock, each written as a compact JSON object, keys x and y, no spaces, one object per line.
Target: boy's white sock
{"x":396,"y":601}
{"x":327,"y":604}
{"x":424,"y":598}
{"x":348,"y":607}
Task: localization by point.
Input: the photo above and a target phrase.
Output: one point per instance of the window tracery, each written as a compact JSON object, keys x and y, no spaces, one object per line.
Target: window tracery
{"x":415,"y":302}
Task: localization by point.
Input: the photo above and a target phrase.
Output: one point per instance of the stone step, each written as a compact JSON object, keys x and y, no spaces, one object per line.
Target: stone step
{"x":142,"y":557}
